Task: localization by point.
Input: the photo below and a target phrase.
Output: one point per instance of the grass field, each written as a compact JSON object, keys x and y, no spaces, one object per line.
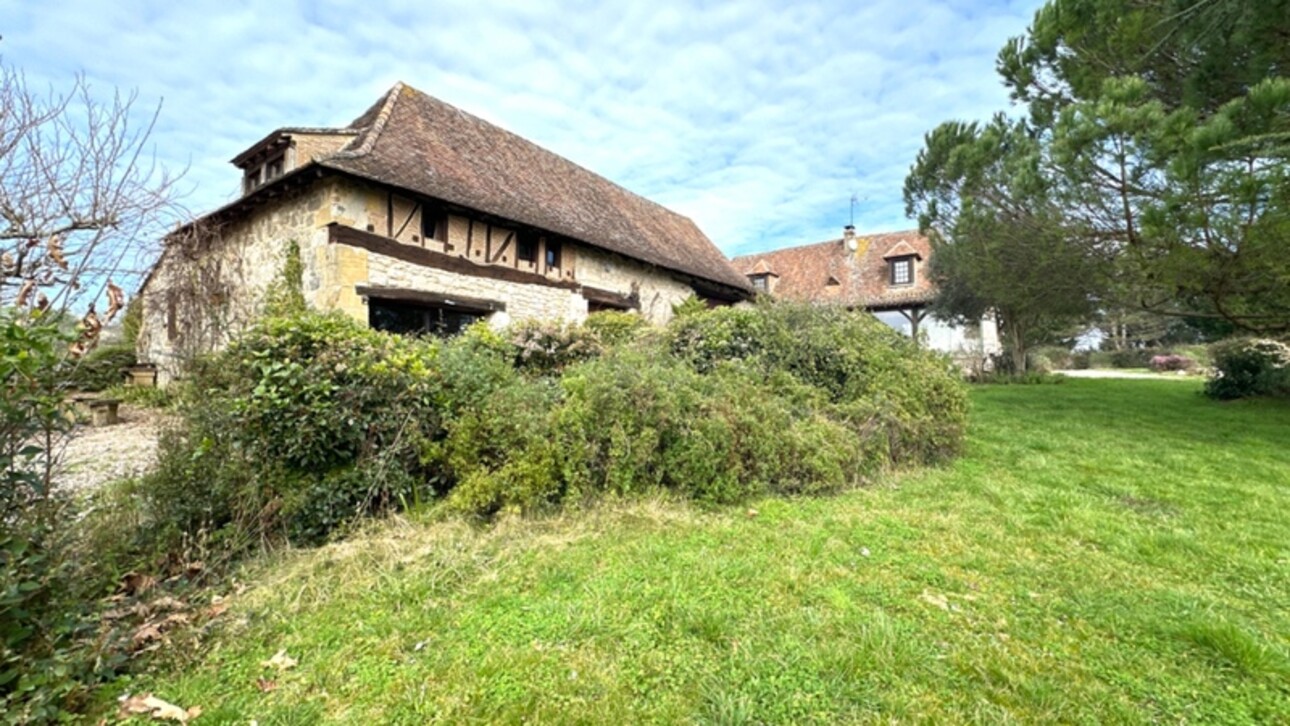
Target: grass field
{"x":1107,"y":551}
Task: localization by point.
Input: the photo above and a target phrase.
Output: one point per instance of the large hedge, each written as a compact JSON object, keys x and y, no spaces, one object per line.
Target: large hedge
{"x":311,"y":421}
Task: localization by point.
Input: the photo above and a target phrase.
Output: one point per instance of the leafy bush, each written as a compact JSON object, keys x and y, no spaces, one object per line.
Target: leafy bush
{"x":50,"y":654}
{"x":1249,"y":367}
{"x":306,"y":422}
{"x":101,"y":368}
{"x":145,"y":396}
{"x":908,"y":395}
{"x":1052,"y":358}
{"x":1170,"y":363}
{"x":1029,"y":378}
{"x":612,"y":327}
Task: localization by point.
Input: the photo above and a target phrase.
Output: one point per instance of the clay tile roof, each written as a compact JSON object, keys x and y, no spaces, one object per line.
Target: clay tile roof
{"x":901,"y":249}
{"x":414,"y":141}
{"x":861,"y":277}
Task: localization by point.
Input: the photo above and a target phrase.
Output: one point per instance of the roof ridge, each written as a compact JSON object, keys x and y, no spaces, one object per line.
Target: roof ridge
{"x":378,"y":125}
{"x":859,"y":235}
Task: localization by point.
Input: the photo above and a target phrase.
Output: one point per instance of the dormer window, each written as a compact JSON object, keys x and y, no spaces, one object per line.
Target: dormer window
{"x":901,"y":270}
{"x":261,"y":174}
{"x":760,"y":283}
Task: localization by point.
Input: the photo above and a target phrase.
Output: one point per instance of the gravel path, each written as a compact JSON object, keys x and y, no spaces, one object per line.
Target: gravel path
{"x":94,"y":456}
{"x":1112,"y":373}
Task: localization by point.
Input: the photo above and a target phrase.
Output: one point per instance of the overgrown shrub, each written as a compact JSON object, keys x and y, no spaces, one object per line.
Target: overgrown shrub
{"x":633,"y":422}
{"x":99,"y":369}
{"x":1249,"y":367}
{"x":909,"y":395}
{"x":310,"y":421}
{"x":1050,"y":358}
{"x":304,"y":423}
{"x":613,"y":328}
{"x":47,"y":659}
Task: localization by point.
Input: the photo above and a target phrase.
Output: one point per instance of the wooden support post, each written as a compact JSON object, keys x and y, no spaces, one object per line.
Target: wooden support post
{"x":915,"y":317}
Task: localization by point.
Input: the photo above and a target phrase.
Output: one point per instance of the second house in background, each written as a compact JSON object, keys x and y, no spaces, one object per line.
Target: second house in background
{"x":885,"y":274}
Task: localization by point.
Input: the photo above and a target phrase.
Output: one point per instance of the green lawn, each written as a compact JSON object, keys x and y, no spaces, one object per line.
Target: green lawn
{"x":1107,"y":551}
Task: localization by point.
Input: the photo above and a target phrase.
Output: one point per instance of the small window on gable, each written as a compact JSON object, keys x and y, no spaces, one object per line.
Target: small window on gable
{"x":760,"y":283}
{"x":834,"y":281}
{"x":902,"y":271}
{"x":273,"y":169}
{"x":526,"y":247}
{"x":434,"y":224}
{"x":552,"y":254}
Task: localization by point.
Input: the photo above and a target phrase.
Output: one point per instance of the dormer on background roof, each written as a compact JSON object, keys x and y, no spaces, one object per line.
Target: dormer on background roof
{"x":286,"y":149}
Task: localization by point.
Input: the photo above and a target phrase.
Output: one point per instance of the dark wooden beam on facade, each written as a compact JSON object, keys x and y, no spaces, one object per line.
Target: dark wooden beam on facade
{"x":461,"y":302}
{"x":612,"y":299}
{"x":340,"y":234}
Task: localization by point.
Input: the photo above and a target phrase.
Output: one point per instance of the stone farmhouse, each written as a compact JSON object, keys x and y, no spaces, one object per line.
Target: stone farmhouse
{"x":419,"y":217}
{"x":885,"y":274}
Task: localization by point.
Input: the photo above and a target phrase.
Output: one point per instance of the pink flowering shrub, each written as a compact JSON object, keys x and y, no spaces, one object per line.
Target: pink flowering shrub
{"x":1171,"y":362}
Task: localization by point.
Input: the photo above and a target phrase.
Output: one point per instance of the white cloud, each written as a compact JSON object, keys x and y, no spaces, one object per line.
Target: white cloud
{"x":757,"y":120}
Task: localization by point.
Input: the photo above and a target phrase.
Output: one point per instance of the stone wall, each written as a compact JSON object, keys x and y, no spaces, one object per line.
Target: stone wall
{"x":307,"y":147}
{"x":210,"y":283}
{"x":657,"y":289}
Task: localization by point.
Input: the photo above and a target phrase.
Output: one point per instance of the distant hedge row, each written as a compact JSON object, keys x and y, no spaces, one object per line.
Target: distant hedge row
{"x":310,"y":421}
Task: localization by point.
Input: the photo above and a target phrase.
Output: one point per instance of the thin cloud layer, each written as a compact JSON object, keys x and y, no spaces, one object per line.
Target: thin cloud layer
{"x":759,"y":121}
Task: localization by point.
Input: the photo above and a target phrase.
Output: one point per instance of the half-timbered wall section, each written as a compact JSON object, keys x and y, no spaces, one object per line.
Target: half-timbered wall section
{"x":359,"y":241}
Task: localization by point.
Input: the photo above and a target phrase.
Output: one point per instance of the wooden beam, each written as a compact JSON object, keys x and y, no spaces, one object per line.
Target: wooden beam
{"x":402,"y":294}
{"x":415,"y":206}
{"x":609,"y":297}
{"x":375,"y":243}
{"x":500,"y":250}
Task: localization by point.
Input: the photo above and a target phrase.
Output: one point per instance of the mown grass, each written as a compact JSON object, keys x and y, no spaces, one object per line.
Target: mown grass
{"x":1107,"y":551}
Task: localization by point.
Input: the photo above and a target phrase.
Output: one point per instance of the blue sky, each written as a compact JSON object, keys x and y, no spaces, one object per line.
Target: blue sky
{"x":757,"y":120}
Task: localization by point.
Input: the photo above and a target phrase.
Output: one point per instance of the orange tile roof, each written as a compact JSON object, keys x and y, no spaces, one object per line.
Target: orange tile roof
{"x":827,"y":272}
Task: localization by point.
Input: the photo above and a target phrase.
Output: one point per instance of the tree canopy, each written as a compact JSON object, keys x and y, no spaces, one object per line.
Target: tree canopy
{"x":1159,"y":134}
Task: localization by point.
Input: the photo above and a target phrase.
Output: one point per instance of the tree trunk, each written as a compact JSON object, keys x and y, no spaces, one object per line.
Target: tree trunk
{"x":1017,"y":344}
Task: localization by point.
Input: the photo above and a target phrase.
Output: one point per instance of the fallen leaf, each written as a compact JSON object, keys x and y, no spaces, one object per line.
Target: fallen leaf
{"x":266,"y":685}
{"x":216,"y":609}
{"x":933,"y":599}
{"x":158,"y":709}
{"x":134,"y":583}
{"x":146,"y":634}
{"x":166,"y":603}
{"x":280,"y":661}
{"x":752,"y":512}
{"x":174,"y":619}
{"x":864,"y":551}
